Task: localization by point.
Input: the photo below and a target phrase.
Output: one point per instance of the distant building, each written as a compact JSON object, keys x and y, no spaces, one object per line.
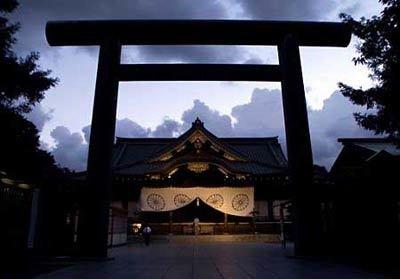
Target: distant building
{"x":363,"y":213}
{"x":363,"y":157}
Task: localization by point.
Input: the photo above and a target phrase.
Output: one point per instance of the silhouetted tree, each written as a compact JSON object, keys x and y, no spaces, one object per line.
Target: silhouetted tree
{"x":22,"y":85}
{"x":379,"y":50}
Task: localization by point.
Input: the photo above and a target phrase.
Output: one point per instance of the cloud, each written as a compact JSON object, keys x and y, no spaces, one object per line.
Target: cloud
{"x":254,"y":60}
{"x":39,"y":116}
{"x":334,"y":121}
{"x":198,"y":54}
{"x":33,"y":16}
{"x":70,"y":150}
{"x":167,"y":129}
{"x":127,"y":128}
{"x":126,"y":9}
{"x":86,"y":133}
{"x":124,"y":128}
{"x":216,"y":122}
{"x":286,"y":9}
{"x":261,"y":117}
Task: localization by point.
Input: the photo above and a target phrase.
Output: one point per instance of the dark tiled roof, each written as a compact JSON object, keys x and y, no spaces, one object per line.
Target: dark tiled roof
{"x":375,"y":145}
{"x":251,"y":167}
{"x":265,"y":156}
{"x":264,"y":150}
{"x":261,"y":156}
{"x":128,"y":152}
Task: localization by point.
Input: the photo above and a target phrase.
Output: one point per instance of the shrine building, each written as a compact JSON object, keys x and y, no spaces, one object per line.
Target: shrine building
{"x":225,"y":185}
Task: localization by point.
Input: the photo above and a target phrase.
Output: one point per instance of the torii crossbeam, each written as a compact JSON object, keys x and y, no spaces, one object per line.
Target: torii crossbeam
{"x":111,"y":35}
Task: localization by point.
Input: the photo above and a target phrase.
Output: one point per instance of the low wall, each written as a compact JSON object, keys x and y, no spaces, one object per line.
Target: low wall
{"x":266,"y":238}
{"x":219,"y":228}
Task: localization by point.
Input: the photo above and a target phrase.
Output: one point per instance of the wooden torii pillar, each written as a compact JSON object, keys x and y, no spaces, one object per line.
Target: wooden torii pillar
{"x":111,"y":35}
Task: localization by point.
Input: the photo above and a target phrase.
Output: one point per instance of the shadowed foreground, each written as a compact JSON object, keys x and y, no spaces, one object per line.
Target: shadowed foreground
{"x":207,"y":260}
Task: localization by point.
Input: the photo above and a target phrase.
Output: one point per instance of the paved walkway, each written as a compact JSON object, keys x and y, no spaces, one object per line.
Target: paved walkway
{"x":207,"y":260}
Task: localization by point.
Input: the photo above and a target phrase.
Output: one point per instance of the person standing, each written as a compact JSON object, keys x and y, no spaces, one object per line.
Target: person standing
{"x":146,"y":234}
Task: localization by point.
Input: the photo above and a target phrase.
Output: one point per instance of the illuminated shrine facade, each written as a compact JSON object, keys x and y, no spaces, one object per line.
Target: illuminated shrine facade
{"x":170,"y":182}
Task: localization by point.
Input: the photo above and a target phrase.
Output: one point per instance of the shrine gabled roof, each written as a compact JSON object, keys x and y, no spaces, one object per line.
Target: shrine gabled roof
{"x":139,"y":156}
{"x":357,"y":152}
{"x":375,"y":145}
{"x":198,"y":132}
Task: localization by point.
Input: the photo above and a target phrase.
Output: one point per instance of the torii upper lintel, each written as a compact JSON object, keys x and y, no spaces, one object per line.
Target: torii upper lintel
{"x":196,"y":32}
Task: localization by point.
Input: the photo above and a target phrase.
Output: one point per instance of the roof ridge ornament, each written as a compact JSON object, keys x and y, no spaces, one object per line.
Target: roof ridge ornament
{"x":198,"y":123}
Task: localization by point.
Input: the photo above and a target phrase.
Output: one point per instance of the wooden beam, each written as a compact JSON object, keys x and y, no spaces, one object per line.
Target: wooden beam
{"x":196,"y":32}
{"x":199,"y":72}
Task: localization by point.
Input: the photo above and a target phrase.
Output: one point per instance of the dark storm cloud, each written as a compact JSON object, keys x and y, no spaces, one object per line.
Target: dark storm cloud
{"x":33,"y":16}
{"x":286,"y":9}
{"x":199,"y":54}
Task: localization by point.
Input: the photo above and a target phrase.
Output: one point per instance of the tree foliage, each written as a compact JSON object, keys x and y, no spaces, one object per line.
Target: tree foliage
{"x":22,"y":85}
{"x":21,"y":156}
{"x":379,"y":50}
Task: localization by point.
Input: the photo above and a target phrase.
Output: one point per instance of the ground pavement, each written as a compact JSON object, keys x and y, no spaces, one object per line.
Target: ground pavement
{"x":207,"y":260}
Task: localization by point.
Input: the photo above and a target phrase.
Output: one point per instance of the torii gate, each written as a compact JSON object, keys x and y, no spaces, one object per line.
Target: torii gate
{"x":111,"y":35}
